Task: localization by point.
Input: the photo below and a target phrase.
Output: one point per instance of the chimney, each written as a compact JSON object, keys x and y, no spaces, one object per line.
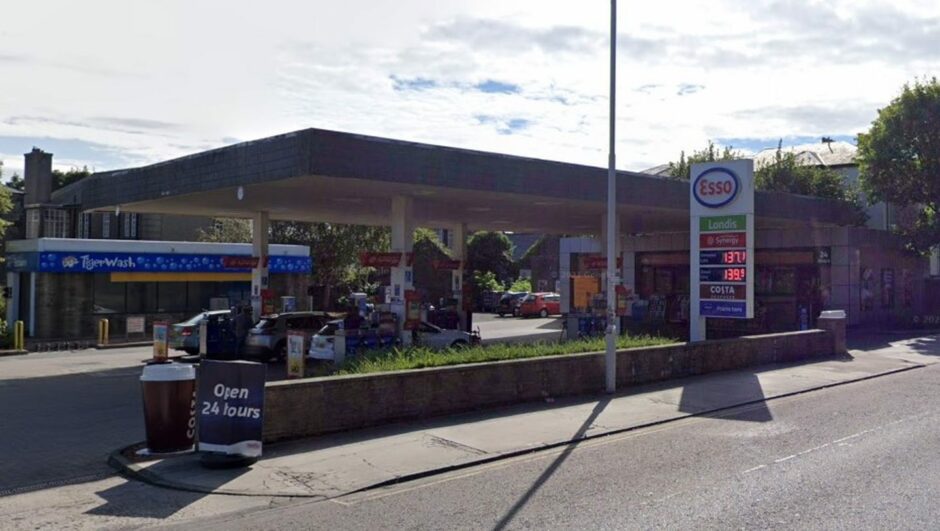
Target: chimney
{"x":38,"y":177}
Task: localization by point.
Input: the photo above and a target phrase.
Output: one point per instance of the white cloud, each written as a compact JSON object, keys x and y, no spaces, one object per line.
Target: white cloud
{"x":150,"y":81}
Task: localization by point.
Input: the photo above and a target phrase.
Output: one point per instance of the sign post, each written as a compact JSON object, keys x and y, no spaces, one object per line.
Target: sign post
{"x":160,"y":346}
{"x":296,"y":341}
{"x":721,"y":207}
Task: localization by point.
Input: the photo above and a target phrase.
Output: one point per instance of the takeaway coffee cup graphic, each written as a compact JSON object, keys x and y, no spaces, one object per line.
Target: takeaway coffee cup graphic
{"x":169,"y":391}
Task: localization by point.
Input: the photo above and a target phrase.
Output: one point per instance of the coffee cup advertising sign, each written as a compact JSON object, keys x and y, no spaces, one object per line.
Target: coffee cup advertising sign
{"x":231,"y":407}
{"x":169,"y":396}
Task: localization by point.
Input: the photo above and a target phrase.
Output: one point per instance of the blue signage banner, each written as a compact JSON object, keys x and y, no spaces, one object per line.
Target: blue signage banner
{"x":61,"y":262}
{"x":727,"y":309}
{"x":230,"y":405}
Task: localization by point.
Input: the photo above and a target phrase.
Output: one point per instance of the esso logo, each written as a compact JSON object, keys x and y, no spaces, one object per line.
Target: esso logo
{"x":716,"y":187}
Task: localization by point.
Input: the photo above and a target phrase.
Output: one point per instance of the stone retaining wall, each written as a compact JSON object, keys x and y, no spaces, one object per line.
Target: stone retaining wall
{"x":314,"y":406}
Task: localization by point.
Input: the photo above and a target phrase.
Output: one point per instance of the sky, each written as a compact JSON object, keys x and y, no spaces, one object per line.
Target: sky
{"x":112,"y":84}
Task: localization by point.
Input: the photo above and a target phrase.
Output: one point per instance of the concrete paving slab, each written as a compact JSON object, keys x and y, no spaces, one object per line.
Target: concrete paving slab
{"x":339,"y":464}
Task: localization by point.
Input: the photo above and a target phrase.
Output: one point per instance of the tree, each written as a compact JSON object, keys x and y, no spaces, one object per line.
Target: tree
{"x":17,"y":182}
{"x":335,"y":248}
{"x":522,"y":284}
{"x":900,"y":160}
{"x":784,"y":174}
{"x":682,"y":170}
{"x":491,"y":252}
{"x":6,"y":205}
{"x":62,"y":179}
{"x":433,"y":283}
{"x":226,"y":230}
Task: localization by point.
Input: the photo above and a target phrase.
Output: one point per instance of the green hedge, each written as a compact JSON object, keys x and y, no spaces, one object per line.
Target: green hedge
{"x":421,"y":357}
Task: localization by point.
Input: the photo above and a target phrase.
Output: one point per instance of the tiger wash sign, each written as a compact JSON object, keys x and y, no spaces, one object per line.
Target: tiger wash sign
{"x":721,"y":205}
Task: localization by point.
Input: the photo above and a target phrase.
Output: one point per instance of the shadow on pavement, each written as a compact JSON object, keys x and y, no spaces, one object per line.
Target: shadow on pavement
{"x":923,"y":340}
{"x":550,"y":471}
{"x":706,"y":395}
{"x":128,"y":499}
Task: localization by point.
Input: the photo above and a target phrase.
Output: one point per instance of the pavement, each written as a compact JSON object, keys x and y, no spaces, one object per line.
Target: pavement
{"x":337,"y":465}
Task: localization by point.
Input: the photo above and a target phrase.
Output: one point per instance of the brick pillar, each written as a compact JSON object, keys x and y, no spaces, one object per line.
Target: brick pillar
{"x":834,"y":323}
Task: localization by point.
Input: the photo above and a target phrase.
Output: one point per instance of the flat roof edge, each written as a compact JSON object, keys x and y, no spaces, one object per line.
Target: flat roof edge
{"x":147,"y":246}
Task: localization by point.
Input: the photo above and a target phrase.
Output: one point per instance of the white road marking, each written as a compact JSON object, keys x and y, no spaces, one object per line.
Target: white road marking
{"x":837,"y":442}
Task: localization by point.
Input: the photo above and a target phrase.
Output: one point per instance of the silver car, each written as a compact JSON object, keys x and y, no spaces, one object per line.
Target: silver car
{"x":321,"y":345}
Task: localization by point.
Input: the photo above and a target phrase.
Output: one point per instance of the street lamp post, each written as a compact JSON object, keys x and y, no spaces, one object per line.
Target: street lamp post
{"x":610,"y":358}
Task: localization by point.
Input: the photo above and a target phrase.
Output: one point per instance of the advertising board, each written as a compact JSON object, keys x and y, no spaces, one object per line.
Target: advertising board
{"x":230,"y":405}
{"x":721,"y":242}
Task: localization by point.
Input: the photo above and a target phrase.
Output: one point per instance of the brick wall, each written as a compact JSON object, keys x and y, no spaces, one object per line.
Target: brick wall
{"x":315,"y":406}
{"x":64,"y":306}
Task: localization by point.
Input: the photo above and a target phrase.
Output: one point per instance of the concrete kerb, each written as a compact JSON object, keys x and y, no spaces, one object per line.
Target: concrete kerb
{"x":111,"y":346}
{"x":13,"y":353}
{"x":132,"y":470}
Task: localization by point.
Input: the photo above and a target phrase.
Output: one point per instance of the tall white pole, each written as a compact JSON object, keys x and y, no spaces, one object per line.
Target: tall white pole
{"x":610,"y":357}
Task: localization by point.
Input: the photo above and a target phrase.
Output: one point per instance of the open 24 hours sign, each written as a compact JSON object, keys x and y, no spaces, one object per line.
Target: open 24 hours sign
{"x":721,"y":242}
{"x":230,"y":406}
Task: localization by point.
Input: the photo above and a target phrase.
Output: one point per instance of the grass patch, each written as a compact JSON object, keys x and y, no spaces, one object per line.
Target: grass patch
{"x":421,"y":357}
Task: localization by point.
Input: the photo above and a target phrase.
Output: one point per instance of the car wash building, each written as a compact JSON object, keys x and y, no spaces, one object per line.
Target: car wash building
{"x":61,"y":287}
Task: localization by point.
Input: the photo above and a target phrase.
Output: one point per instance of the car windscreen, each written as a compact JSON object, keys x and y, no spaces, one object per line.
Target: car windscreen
{"x":266,"y":323}
{"x":530,"y":298}
{"x":194,"y":320}
{"x":328,"y":330}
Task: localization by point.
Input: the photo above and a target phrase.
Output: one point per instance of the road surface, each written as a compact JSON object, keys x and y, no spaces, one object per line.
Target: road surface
{"x":863,"y":456}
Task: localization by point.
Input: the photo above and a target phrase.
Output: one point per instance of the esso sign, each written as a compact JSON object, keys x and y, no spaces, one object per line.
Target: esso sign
{"x":716,"y":187}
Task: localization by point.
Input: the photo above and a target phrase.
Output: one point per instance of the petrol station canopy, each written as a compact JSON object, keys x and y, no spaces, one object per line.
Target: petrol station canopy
{"x":320,"y":175}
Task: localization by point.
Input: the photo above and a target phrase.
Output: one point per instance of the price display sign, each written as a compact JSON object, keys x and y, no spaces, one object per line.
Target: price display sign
{"x":722,"y":242}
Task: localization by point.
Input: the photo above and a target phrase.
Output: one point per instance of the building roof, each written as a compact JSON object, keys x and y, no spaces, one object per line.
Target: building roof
{"x":833,"y":154}
{"x":330,"y":176}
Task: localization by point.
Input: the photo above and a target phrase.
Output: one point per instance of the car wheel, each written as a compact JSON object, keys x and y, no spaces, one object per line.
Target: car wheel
{"x":544,"y":313}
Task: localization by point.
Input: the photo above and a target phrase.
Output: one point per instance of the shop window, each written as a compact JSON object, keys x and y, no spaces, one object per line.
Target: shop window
{"x":172,"y":296}
{"x":109,"y":297}
{"x":198,"y":295}
{"x":887,"y":288}
{"x":142,"y":297}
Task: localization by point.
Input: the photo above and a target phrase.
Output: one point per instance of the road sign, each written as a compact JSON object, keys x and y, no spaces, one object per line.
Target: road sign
{"x":722,"y":242}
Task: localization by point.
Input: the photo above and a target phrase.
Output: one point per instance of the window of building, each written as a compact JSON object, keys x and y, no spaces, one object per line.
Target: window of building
{"x":105,"y":225}
{"x":84,"y":227}
{"x":142,"y":297}
{"x":109,"y":297}
{"x":129,"y":226}
{"x":55,"y":223}
{"x":172,"y":296}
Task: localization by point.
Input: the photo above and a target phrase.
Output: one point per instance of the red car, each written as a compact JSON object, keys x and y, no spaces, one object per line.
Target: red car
{"x":541,"y":304}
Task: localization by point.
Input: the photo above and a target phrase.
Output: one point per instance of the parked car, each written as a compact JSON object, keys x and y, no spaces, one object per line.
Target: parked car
{"x":321,"y":345}
{"x":509,"y":303}
{"x":268,"y":338}
{"x":541,"y":304}
{"x":185,"y":335}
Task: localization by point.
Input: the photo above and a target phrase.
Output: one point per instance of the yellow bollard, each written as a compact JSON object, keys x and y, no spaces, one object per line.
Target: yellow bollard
{"x":19,"y":335}
{"x":103,"y":331}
